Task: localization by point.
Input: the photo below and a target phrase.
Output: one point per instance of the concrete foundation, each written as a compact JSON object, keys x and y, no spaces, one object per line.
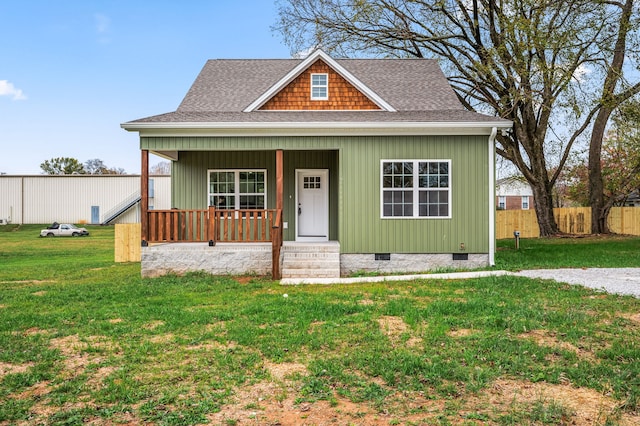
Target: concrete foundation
{"x":221,"y":259}
{"x":255,"y":259}
{"x":407,"y":263}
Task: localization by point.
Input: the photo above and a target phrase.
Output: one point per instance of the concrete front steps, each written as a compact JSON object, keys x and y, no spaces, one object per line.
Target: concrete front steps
{"x":310,"y":260}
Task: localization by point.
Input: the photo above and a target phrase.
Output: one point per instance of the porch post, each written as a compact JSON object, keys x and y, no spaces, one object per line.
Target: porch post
{"x":144,"y":197}
{"x":276,"y":231}
{"x":279,"y":180}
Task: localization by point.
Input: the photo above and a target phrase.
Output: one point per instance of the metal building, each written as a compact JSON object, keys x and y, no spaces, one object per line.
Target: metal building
{"x":91,"y":199}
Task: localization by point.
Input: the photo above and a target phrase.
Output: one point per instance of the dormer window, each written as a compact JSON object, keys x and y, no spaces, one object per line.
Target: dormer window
{"x":319,"y":87}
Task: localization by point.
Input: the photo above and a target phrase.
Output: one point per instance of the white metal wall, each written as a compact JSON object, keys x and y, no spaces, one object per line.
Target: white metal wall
{"x":45,"y":199}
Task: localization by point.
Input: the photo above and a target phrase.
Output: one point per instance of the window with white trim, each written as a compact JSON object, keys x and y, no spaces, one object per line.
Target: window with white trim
{"x":319,"y":87}
{"x":502,"y":202}
{"x":525,"y":202}
{"x":416,"y":188}
{"x":238,"y":189}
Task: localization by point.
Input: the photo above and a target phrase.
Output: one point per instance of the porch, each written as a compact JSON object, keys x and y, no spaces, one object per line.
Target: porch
{"x":294,"y":198}
{"x":212,"y":240}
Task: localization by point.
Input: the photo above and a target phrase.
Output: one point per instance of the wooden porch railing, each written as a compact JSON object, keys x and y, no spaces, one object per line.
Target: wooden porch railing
{"x":213,"y":226}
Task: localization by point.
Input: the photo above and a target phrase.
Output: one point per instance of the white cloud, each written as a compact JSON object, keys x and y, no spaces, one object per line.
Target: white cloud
{"x":8,"y":89}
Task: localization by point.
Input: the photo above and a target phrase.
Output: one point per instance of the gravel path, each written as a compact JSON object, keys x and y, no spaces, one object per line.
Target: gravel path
{"x":612,"y":280}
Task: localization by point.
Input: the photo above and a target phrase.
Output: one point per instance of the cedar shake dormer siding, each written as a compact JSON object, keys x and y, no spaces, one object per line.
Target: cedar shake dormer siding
{"x":297,"y":94}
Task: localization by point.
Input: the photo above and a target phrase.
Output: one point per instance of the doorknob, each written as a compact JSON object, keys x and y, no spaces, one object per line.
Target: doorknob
{"x":299,"y":209}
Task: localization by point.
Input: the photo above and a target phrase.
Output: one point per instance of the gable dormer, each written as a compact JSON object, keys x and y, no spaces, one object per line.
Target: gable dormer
{"x":319,"y":83}
{"x":319,"y":87}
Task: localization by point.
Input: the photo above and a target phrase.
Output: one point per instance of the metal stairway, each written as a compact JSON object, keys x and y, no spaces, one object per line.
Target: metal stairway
{"x":121,"y":208}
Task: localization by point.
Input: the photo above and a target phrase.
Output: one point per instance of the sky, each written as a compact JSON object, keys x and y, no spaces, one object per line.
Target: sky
{"x":72,"y":71}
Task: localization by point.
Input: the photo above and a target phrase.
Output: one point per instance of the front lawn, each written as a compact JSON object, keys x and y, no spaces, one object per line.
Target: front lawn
{"x":569,"y":252}
{"x":85,"y":340}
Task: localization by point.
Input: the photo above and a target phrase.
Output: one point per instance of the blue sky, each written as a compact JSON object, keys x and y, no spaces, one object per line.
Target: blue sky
{"x":72,"y":71}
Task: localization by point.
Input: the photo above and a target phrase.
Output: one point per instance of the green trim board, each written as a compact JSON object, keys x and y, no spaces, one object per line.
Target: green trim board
{"x":355,"y":203}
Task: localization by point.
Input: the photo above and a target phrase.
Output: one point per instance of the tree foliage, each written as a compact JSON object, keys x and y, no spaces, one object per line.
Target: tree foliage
{"x":71,"y":166}
{"x":98,"y":167}
{"x":161,"y":168}
{"x":62,"y":166}
{"x":620,"y":162}
{"x":519,"y":59}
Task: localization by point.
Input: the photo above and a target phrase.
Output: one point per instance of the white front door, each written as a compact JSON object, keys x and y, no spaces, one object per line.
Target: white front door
{"x":312,"y":200}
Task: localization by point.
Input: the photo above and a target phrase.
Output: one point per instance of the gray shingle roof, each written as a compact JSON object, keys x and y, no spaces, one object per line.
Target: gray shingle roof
{"x":454,"y":115}
{"x":416,"y":88}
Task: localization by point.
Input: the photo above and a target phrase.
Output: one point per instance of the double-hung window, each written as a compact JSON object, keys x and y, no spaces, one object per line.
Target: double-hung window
{"x":416,"y":188}
{"x":238,"y":189}
{"x":319,"y":87}
{"x":502,"y":202}
{"x":525,"y":202}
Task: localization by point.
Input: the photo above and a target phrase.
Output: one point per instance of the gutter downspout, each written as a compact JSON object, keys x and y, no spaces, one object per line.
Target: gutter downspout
{"x":492,"y":197}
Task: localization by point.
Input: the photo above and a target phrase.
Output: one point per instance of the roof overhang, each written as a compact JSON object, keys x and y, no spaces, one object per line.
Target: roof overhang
{"x":246,"y":129}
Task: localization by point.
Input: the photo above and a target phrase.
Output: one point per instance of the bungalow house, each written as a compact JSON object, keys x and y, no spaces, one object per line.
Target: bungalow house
{"x":321,"y":167}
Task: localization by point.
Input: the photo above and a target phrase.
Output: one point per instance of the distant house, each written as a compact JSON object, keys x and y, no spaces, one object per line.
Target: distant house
{"x":633,"y":200}
{"x":321,"y":167}
{"x":513,"y":193}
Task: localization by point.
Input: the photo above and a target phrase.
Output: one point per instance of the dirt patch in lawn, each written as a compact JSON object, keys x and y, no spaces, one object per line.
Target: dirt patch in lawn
{"x":153,"y":325}
{"x":551,"y":340}
{"x":632,"y":317}
{"x":77,"y":355}
{"x":6,"y":368}
{"x":279,"y":403}
{"x":582,"y":406}
{"x":394,"y":328}
{"x":461,"y":332}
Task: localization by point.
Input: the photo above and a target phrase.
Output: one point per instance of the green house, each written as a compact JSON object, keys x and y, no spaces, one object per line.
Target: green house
{"x":321,"y":167}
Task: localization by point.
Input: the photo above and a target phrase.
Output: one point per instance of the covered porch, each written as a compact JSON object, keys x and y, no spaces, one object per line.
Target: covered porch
{"x":220,"y":233}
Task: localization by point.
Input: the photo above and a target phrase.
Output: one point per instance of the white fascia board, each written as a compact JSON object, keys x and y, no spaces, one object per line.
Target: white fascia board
{"x":302,"y":66}
{"x":314,"y":128}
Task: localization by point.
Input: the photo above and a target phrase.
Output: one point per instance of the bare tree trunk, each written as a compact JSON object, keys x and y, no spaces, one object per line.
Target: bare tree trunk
{"x":596,"y":185}
{"x":543,"y":204}
{"x":609,"y":102}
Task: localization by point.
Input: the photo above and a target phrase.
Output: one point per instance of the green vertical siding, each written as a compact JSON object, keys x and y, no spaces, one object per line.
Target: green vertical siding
{"x":189,"y":185}
{"x":354,"y":164}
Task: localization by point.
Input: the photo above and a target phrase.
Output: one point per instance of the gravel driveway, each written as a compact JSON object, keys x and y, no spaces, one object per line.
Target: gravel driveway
{"x":611,"y":280}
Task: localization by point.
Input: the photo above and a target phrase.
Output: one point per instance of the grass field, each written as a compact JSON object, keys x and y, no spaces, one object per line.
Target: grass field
{"x":86,"y":341}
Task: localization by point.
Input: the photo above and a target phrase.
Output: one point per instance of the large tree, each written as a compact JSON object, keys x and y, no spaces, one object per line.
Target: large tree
{"x":62,"y":166}
{"x":519,"y":59}
{"x":615,"y":90}
{"x":620,"y":162}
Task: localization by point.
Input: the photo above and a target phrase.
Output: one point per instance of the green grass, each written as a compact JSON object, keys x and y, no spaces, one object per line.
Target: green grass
{"x":83,"y":339}
{"x":585,"y":252}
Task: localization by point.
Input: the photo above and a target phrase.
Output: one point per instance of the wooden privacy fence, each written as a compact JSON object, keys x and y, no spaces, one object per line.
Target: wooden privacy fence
{"x":573,"y":220}
{"x":127,"y":242}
